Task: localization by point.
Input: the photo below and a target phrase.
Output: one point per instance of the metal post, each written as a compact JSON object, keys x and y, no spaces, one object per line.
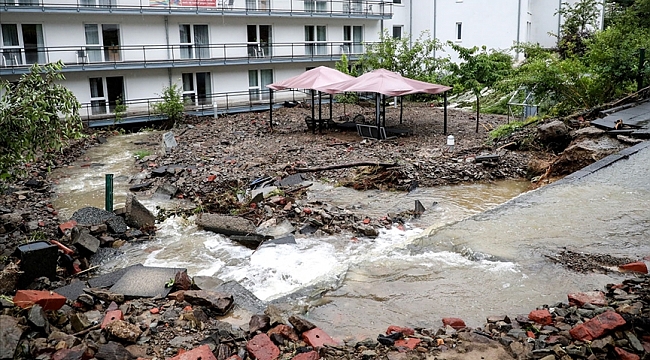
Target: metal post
{"x":331,"y":105}
{"x":320,"y":112}
{"x":271,"y":108}
{"x":445,"y":112}
{"x":109,"y":193}
{"x":313,"y":113}
{"x":639,"y":80}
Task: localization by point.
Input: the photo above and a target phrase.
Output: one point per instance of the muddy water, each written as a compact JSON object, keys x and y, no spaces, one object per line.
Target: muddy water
{"x":491,"y":264}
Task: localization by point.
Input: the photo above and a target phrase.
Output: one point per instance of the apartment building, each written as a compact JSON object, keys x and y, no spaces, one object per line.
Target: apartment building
{"x":129,"y":50}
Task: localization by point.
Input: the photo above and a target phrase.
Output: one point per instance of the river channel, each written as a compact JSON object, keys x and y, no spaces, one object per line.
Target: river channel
{"x":459,"y":259}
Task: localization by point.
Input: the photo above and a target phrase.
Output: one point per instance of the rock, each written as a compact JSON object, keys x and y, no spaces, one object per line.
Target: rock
{"x":285,"y":331}
{"x":166,"y":190}
{"x":89,"y":216}
{"x":583,"y":152}
{"x":105,"y":295}
{"x":554,"y":132}
{"x":366,"y":230}
{"x":87,"y":243}
{"x":10,"y":333}
{"x":269,"y":228}
{"x":591,"y":297}
{"x":262,"y":348}
{"x":258,"y":323}
{"x":48,"y":300}
{"x":227,"y":225}
{"x":69,"y":354}
{"x":317,"y":338}
{"x":116,"y":225}
{"x":624,"y":355}
{"x":137,"y":215}
{"x":312,"y":355}
{"x":404,"y":330}
{"x":455,"y":323}
{"x":220,"y":303}
{"x":409,"y":344}
{"x":541,"y":317}
{"x":9,"y":277}
{"x":37,"y":318}
{"x":139,"y":187}
{"x":79,"y":322}
{"x":301,"y":325}
{"x":182,"y":281}
{"x":598,"y":326}
{"x":113,"y":351}
{"x":124,"y":331}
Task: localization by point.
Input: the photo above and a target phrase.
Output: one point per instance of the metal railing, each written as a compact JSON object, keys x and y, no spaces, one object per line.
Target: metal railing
{"x":144,"y":110}
{"x":315,"y":8}
{"x":98,"y":56}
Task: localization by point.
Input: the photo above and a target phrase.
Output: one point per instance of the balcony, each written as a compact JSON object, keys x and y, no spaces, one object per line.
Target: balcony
{"x":97,"y":57}
{"x":376,"y":9}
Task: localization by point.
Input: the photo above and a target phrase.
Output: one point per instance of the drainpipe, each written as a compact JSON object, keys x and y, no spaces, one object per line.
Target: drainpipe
{"x":169,"y":55}
{"x":410,"y":23}
{"x":602,"y":16}
{"x":435,"y":23}
{"x":518,"y":28}
{"x":559,"y":18}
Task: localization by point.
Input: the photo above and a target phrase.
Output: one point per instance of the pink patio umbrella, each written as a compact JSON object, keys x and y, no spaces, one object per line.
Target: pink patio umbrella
{"x":313,"y":79}
{"x":382,"y":81}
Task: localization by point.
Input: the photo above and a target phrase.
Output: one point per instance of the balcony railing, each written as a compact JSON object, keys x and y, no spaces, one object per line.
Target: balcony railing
{"x":143,"y":110}
{"x":312,"y":8}
{"x":99,"y":57}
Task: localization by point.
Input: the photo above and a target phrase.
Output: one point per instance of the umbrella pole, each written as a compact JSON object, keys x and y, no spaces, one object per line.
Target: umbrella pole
{"x":271,"y":108}
{"x":331,"y":102}
{"x":445,"y":112}
{"x":313,"y":114}
{"x":377,"y":116}
{"x":320,"y":112}
{"x":383,"y":108}
{"x":401,"y":109}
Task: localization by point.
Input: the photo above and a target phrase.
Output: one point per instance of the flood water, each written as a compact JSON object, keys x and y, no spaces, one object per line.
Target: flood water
{"x":488,"y":264}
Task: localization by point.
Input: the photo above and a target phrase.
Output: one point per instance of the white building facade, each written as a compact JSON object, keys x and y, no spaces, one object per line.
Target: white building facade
{"x":129,"y":50}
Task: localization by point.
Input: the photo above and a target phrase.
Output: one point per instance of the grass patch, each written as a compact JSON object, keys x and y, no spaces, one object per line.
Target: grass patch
{"x":506,"y":130}
{"x":141,"y":154}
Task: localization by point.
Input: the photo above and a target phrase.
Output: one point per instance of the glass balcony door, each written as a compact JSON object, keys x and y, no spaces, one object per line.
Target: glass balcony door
{"x":259,"y":40}
{"x":257,"y":81}
{"x":195,"y":41}
{"x":22,"y":44}
{"x":315,"y":40}
{"x":103,"y":45}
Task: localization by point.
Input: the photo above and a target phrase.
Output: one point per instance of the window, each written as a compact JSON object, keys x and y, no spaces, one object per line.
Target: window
{"x":260,"y":40}
{"x":398,"y":1}
{"x":98,"y":3}
{"x":352,"y":7}
{"x":257,"y":81}
{"x":315,"y":40}
{"x":257,"y":5}
{"x":397,"y":31}
{"x":352,"y":39}
{"x":315,"y":6}
{"x":22,"y":44}
{"x":102,"y":45}
{"x":201,"y":94}
{"x":459,"y":31}
{"x":195,"y":43}
{"x":104,"y":94}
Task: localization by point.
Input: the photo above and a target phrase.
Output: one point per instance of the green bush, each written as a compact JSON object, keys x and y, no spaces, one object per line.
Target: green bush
{"x":172,"y":104}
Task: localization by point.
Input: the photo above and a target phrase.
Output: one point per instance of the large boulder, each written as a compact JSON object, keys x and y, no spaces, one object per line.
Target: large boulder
{"x":227,"y":225}
{"x":554,"y":134}
{"x":137,"y":215}
{"x":584,"y":152}
{"x":218,"y":302}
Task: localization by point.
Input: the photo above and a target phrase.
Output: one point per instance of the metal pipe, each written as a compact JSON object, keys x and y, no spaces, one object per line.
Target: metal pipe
{"x":109,"y":193}
{"x":445,"y":113}
{"x":270,"y":108}
{"x":313,"y":113}
{"x":410,"y":24}
{"x":435,"y":23}
{"x":518,"y":29}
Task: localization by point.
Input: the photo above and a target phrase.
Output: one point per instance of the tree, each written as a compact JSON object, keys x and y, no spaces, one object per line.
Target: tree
{"x":479,"y":69}
{"x":580,"y":23}
{"x":172,"y":103}
{"x":37,"y":115}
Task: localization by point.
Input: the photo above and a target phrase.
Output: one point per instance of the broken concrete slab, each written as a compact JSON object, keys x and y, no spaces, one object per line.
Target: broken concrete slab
{"x":290,"y":180}
{"x":137,"y":215}
{"x":271,"y":228}
{"x":145,"y":281}
{"x":10,"y":333}
{"x":87,"y":243}
{"x":227,"y":225}
{"x":166,"y":190}
{"x":285,"y":240}
{"x":72,"y":290}
{"x":243,"y":297}
{"x":89,"y":216}
{"x":489,"y":157}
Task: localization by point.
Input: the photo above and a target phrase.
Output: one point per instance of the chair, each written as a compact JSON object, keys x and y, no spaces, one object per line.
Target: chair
{"x":226,"y":4}
{"x":369,"y":9}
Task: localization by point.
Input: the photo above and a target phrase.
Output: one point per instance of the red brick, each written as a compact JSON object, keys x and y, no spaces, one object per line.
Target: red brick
{"x":286,"y":331}
{"x":312,"y":355}
{"x":48,"y":300}
{"x":67,"y":226}
{"x":592,"y":297}
{"x":211,"y":178}
{"x":177,"y":295}
{"x":154,"y":311}
{"x":409,"y":344}
{"x":541,"y":317}
{"x":456,"y":323}
{"x":112,"y":316}
{"x":317,"y":338}
{"x":200,"y":353}
{"x":262,"y":348}
{"x":530,"y":334}
{"x":638,"y":266}
{"x":624,"y":355}
{"x":598,"y":326}
{"x":66,"y":250}
{"x":404,"y":330}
